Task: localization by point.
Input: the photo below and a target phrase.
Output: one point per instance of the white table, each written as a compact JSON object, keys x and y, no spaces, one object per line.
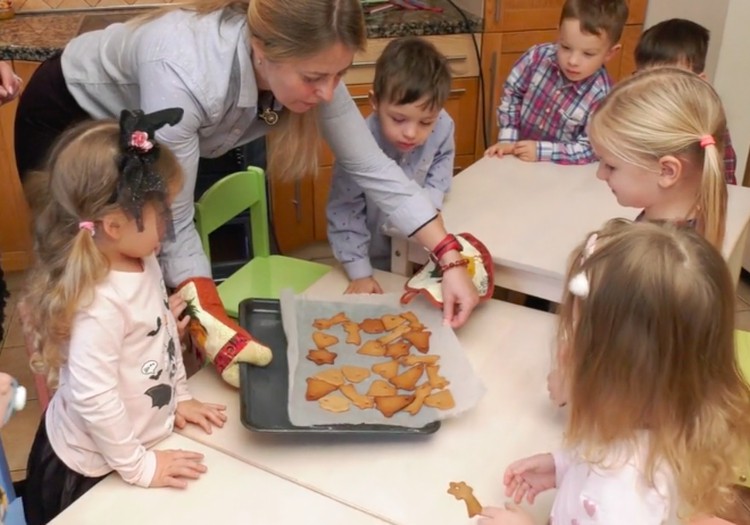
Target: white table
{"x":230,"y":493}
{"x":532,"y":215}
{"x":404,"y":481}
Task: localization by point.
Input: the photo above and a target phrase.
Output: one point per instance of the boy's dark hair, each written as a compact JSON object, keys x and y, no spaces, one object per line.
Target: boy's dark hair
{"x":410,"y":69}
{"x":597,"y":16}
{"x":671,"y":42}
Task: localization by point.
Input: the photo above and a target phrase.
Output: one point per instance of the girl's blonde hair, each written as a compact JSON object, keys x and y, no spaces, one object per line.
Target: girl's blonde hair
{"x":666,"y":111}
{"x":78,"y":183}
{"x":651,"y":348}
{"x":293,"y":30}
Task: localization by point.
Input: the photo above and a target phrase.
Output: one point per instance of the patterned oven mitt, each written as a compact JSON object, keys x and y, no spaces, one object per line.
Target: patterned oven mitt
{"x":427,"y":281}
{"x":215,"y":335}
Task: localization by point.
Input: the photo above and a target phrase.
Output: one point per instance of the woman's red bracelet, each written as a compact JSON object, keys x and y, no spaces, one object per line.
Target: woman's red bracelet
{"x":447,"y":244}
{"x":455,"y":264}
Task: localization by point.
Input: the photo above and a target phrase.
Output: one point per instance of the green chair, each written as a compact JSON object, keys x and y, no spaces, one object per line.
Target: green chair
{"x":265,"y":275}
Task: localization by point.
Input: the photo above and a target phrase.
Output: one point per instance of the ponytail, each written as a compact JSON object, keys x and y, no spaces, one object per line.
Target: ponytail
{"x":712,"y":198}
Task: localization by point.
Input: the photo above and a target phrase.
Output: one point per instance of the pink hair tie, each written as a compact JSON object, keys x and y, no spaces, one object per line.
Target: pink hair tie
{"x":87,"y":225}
{"x":707,"y":140}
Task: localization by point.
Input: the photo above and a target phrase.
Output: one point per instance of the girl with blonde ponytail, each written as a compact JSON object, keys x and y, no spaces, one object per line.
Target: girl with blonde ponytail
{"x":659,"y":137}
{"x":240,"y":70}
{"x":105,"y":330}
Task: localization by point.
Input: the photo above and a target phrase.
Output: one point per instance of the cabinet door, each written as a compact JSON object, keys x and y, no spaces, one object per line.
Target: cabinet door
{"x":525,"y":15}
{"x":462,"y":107}
{"x":622,"y":66}
{"x":15,"y":237}
{"x":292,"y":210}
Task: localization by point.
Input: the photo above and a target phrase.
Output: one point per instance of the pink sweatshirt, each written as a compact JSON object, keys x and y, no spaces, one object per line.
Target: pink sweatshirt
{"x":122,"y":381}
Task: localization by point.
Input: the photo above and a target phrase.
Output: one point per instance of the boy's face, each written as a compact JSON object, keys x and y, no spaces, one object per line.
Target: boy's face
{"x":580,"y":54}
{"x":406,"y":126}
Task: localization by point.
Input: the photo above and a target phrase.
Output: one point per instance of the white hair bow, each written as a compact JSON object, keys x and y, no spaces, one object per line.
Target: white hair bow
{"x":579,"y":283}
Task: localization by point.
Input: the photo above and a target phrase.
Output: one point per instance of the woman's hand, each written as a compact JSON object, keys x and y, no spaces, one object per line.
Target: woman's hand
{"x":205,"y":415}
{"x":529,"y":477}
{"x":177,"y":306}
{"x":364,"y":285}
{"x":173,"y":467}
{"x":10,"y":83}
{"x":460,"y":296}
{"x":509,"y":515}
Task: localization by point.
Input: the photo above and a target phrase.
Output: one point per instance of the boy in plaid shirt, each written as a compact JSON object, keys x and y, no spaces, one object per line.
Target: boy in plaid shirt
{"x":682,"y":43}
{"x":553,"y":88}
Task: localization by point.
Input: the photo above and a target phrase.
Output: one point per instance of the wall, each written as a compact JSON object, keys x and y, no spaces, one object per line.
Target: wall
{"x":475,"y":7}
{"x":727,"y":64}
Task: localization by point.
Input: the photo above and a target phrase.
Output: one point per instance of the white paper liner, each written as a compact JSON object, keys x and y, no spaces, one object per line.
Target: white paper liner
{"x":298,"y":314}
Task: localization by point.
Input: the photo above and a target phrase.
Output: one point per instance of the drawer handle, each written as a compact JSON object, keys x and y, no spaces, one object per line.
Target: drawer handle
{"x":457,"y":91}
{"x":497,"y":11}
{"x":371,"y":63}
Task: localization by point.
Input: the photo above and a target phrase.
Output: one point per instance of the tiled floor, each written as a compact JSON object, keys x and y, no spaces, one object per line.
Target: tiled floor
{"x":18,"y":434}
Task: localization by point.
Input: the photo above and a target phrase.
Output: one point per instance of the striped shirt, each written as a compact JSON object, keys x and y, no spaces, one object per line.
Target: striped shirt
{"x":541,"y":104}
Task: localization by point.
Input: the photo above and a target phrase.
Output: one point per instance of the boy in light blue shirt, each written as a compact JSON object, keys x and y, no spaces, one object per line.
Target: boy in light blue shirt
{"x":412,"y":83}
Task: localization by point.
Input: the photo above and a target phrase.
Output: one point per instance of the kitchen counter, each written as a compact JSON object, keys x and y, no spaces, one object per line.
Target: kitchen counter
{"x":36,"y":37}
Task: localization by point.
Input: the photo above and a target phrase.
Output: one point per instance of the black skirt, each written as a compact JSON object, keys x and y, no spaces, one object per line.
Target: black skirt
{"x":50,"y":485}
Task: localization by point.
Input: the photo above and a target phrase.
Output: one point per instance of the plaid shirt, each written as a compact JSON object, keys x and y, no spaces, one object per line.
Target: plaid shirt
{"x":541,"y":104}
{"x":730,"y":160}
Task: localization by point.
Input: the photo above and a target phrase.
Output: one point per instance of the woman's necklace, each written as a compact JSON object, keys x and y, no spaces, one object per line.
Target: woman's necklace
{"x":268,"y":114}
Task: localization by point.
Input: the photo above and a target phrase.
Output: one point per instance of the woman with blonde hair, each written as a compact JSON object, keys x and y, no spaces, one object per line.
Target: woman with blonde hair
{"x":659,"y":410}
{"x":239,"y":69}
{"x":659,"y":136}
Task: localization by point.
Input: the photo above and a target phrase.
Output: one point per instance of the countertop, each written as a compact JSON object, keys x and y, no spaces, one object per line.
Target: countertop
{"x":36,"y":37}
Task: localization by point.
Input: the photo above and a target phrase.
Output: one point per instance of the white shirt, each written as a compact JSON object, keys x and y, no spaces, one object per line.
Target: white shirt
{"x":122,"y":381}
{"x":615,"y":494}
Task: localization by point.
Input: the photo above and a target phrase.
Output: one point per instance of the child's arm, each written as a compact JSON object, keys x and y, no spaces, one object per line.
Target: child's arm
{"x":438,"y":180}
{"x":347,"y":225}
{"x":730,"y":160}
{"x":509,"y":111}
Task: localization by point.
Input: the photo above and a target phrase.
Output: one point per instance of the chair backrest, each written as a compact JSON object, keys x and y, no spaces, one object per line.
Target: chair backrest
{"x":230,"y":196}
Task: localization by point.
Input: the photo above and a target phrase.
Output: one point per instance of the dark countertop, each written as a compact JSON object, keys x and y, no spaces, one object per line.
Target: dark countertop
{"x":37,"y":37}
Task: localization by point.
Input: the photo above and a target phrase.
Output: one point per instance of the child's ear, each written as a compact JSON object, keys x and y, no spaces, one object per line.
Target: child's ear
{"x":670,"y":171}
{"x":373,"y":100}
{"x":112,"y":225}
{"x":612,"y":52}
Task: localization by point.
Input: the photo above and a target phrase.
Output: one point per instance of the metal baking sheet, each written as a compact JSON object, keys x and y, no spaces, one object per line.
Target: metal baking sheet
{"x":264,"y":392}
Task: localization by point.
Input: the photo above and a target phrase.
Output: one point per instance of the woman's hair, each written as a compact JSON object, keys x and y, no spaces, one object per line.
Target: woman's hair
{"x":78,"y":183}
{"x":293,"y":30}
{"x":650,"y":346}
{"x":666,"y":111}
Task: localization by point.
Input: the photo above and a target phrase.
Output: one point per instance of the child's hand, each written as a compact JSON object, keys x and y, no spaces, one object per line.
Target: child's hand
{"x":499,"y":149}
{"x":364,"y":285}
{"x":177,"y":306}
{"x":202,"y":414}
{"x":174,"y":466}
{"x":510,"y":515}
{"x":6,"y":393}
{"x":529,"y":477}
{"x":556,"y":388}
{"x":526,"y":150}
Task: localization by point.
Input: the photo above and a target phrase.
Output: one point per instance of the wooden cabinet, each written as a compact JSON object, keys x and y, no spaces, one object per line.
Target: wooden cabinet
{"x":15,"y":226}
{"x":527,"y":15}
{"x":299,"y":208}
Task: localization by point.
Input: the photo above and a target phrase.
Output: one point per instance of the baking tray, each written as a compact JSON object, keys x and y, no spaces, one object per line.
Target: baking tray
{"x":264,"y":392}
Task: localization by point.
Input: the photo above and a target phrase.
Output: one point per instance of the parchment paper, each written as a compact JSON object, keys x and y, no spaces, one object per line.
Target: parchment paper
{"x":298,"y":315}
